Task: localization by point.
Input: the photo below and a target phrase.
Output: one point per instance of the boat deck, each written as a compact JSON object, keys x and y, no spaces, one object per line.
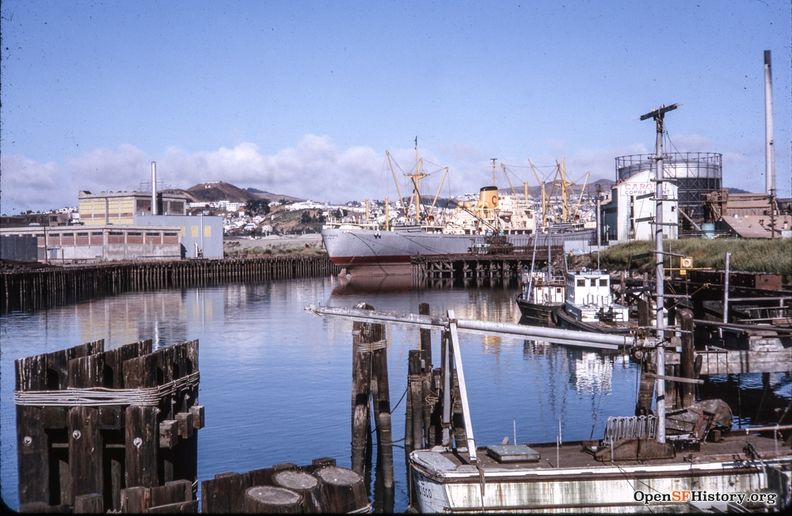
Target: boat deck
{"x":732,"y":448}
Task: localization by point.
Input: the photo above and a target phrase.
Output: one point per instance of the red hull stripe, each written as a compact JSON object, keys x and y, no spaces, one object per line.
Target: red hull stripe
{"x":362,"y":260}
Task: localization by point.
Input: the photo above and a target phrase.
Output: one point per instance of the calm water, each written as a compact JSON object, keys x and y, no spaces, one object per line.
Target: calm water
{"x":276,"y":380}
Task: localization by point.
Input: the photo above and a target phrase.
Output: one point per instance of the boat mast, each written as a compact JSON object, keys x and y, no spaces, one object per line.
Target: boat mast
{"x":658,"y":115}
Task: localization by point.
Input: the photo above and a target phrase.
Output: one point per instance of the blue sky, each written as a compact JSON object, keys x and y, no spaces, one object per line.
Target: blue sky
{"x":304,"y":98}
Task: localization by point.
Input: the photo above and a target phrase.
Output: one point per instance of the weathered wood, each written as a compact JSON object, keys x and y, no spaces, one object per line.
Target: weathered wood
{"x":362,"y":334}
{"x":189,"y":507}
{"x":305,"y":484}
{"x":135,"y":499}
{"x":341,"y":490}
{"x":272,"y":500}
{"x":645,"y":389}
{"x":168,"y":433}
{"x":44,"y":508}
{"x":688,"y":356}
{"x":198,"y":416}
{"x":380,"y":392}
{"x":414,"y":428}
{"x":142,"y":445}
{"x":426,"y":338}
{"x":92,"y":503}
{"x":172,"y":492}
{"x":85,"y":451}
{"x":223,"y":493}
{"x":184,"y":421}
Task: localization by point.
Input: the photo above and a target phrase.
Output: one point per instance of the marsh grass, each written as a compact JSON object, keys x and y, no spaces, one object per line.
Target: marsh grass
{"x":774,"y":256}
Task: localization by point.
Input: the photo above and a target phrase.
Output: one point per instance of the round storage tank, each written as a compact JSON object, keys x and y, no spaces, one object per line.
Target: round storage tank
{"x":696,"y":174}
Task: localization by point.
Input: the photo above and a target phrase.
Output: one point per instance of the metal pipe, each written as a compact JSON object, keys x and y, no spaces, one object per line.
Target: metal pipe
{"x":154,"y":188}
{"x":463,"y":398}
{"x":556,"y":335}
{"x":726,"y":288}
{"x":769,"y":138}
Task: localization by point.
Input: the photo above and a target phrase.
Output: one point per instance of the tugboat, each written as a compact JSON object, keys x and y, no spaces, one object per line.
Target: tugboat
{"x":542,"y":294}
{"x":589,"y":305}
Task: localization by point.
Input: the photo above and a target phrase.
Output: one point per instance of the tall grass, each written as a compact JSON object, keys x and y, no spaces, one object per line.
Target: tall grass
{"x":773,"y":256}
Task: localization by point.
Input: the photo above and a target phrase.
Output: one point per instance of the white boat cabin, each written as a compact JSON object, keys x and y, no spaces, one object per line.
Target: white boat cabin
{"x":539,"y":289}
{"x":589,"y":298}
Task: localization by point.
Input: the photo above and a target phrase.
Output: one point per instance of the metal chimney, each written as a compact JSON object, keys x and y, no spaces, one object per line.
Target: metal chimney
{"x":769,"y":144}
{"x":154,"y":188}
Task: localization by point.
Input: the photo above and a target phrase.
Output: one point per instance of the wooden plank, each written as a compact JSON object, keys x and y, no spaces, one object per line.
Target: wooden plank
{"x":89,"y":504}
{"x":32,"y":456}
{"x":172,"y":492}
{"x":135,"y":500}
{"x":85,"y":451}
{"x":142,"y":444}
{"x":190,"y":507}
{"x":198,"y":416}
{"x":224,"y":493}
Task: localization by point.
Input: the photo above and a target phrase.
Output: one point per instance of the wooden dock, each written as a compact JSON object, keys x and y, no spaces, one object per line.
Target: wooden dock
{"x":109,"y":430}
{"x":502,"y":267}
{"x":21,"y":289}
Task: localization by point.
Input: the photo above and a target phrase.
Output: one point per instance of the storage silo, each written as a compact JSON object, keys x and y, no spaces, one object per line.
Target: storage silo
{"x":695,"y":174}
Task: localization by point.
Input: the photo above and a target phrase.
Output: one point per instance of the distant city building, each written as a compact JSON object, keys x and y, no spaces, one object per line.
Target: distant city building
{"x":115,"y":208}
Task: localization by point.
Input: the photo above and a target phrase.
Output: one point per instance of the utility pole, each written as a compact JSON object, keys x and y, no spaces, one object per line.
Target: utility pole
{"x":658,"y":115}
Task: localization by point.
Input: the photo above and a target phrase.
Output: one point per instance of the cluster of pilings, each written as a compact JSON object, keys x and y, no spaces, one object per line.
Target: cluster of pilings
{"x":320,"y":487}
{"x":109,"y":430}
{"x":61,"y":285}
{"x":471,"y":266}
{"x":433,"y":412}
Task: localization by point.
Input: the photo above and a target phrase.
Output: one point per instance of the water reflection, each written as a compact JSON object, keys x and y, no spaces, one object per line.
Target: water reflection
{"x":276,"y":380}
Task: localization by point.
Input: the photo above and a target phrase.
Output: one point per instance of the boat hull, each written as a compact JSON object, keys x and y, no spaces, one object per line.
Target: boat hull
{"x":566,"y":321}
{"x":382,"y":252}
{"x":591,"y":489}
{"x":537,"y":314}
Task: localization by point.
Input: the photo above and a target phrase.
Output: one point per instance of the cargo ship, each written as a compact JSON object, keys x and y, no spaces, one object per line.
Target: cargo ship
{"x":383,"y":248}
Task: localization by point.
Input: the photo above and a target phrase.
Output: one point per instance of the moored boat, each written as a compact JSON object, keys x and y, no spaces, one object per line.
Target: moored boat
{"x":541,"y":294}
{"x":589,"y":305}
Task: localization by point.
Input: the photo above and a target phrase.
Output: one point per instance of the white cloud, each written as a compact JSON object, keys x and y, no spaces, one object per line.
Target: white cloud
{"x":316,"y":168}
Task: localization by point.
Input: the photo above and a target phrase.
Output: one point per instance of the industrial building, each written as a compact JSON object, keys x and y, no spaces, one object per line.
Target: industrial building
{"x":68,"y":244}
{"x":689,"y":176}
{"x":116,"y":208}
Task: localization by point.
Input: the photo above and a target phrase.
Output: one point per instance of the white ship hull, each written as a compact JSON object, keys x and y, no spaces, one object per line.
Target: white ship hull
{"x":389,"y":252}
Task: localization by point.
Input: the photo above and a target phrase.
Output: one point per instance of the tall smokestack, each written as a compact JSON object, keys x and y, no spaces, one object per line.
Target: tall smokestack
{"x":154,"y":188}
{"x":769,"y":144}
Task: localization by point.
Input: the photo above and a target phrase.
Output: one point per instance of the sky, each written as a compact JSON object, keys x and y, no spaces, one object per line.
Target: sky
{"x":304,"y":98}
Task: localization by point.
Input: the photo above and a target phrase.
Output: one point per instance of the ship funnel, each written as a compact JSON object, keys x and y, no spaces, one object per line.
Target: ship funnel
{"x":154,"y":188}
{"x":488,"y":197}
{"x":769,"y":143}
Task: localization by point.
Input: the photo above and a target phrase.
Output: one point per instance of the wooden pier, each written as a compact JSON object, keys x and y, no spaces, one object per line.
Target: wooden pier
{"x":502,"y":267}
{"x":21,"y":289}
{"x":109,"y":430}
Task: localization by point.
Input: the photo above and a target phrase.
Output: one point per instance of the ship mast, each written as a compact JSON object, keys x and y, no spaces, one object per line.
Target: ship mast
{"x":658,"y":115}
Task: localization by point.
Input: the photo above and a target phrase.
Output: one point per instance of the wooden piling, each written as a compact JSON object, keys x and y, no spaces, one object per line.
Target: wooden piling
{"x":687,"y":359}
{"x":342,"y":490}
{"x":363,"y":335}
{"x":304,"y":484}
{"x":272,"y":500}
{"x":97,"y":451}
